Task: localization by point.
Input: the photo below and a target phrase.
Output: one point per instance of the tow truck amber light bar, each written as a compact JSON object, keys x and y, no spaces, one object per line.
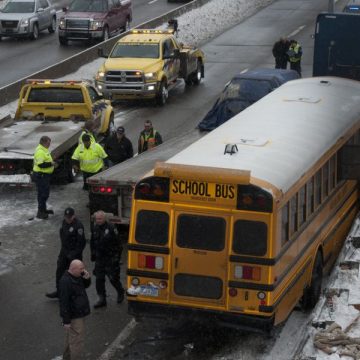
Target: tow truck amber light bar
{"x":45,"y":81}
{"x":147,"y":31}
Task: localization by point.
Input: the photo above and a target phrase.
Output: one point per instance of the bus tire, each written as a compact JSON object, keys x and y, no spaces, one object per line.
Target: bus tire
{"x":197,"y":74}
{"x":312,"y":293}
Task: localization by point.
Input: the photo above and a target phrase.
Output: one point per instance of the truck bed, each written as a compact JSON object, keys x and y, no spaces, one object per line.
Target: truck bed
{"x":132,"y":170}
{"x":19,"y":140}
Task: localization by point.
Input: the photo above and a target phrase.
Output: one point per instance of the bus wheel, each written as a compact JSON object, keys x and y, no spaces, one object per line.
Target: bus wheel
{"x":312,"y":293}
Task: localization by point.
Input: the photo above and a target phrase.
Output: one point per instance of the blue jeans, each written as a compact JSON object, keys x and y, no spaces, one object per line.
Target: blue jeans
{"x":42,"y":182}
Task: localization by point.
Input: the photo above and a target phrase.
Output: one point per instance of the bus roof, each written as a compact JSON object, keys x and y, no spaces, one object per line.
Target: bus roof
{"x":282,"y":135}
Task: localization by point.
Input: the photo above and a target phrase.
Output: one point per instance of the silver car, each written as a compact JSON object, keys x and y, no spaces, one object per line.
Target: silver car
{"x":26,"y":18}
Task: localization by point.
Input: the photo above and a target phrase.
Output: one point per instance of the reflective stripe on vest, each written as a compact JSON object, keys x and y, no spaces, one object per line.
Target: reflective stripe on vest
{"x":91,"y":159}
{"x":296,"y":50}
{"x":42,"y":155}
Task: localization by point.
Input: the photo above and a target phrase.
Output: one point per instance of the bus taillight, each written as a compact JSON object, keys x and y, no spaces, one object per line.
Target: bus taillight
{"x":248,"y":272}
{"x":150,"y":262}
{"x":153,"y":189}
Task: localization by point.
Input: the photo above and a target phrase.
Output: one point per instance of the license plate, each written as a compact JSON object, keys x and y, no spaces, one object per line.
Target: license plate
{"x":146,"y":290}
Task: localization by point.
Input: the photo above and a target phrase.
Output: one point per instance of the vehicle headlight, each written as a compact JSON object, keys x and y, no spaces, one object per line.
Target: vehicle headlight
{"x":100,"y":75}
{"x":62,"y":24}
{"x":94,"y":25}
{"x":150,"y":76}
{"x":24,"y":22}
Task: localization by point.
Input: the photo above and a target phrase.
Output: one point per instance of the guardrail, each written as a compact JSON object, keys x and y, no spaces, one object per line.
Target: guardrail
{"x":10,"y":92}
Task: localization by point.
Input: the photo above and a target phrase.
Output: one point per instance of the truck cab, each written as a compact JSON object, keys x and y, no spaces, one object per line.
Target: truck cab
{"x":146,"y":64}
{"x":94,"y":20}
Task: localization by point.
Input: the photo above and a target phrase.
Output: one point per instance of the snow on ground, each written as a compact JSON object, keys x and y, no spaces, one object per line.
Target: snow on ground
{"x":196,"y":27}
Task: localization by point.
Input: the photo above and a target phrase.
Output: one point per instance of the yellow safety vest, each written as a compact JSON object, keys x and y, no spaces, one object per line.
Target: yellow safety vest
{"x":42,"y":155}
{"x":295,"y":49}
{"x":91,"y":159}
{"x":149,"y":139}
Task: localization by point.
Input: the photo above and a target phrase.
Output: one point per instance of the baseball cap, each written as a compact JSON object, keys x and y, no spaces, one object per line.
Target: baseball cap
{"x":69,"y":212}
{"x":120,"y":130}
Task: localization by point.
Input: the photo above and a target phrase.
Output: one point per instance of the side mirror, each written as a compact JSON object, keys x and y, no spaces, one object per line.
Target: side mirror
{"x":102,"y":54}
{"x":39,"y":10}
{"x":176,"y":53}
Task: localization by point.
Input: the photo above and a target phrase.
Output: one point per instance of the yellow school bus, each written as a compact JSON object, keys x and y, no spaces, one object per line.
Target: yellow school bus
{"x":241,"y":226}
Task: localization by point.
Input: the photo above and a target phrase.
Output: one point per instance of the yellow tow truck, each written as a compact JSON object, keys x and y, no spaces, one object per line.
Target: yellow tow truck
{"x":146,"y":64}
{"x":58,"y":109}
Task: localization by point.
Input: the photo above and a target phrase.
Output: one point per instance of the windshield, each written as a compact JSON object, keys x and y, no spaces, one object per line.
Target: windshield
{"x":88,"y":6}
{"x":19,"y":7}
{"x":146,"y":51}
{"x":246,"y":89}
{"x":55,"y":95}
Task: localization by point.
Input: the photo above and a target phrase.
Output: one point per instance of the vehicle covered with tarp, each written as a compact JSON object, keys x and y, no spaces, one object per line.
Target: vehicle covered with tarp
{"x":243,"y":90}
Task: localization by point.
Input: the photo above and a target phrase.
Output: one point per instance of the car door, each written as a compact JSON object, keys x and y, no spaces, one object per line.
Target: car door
{"x":171,"y":64}
{"x":44,"y":16}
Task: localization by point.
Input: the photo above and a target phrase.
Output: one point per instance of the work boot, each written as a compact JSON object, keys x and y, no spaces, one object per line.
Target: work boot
{"x":120,"y":296}
{"x":101,"y":302}
{"x":52,"y":295}
{"x":50,"y":212}
{"x":42,"y":215}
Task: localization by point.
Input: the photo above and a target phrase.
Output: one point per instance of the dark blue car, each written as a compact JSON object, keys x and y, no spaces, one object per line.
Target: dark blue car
{"x":242,"y":91}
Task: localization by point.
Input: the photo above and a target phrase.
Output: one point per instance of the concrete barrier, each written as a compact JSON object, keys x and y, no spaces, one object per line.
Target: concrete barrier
{"x":11,"y":92}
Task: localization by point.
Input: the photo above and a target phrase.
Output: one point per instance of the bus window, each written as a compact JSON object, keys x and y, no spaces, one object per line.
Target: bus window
{"x":317,"y":189}
{"x":285,"y":224}
{"x":201,"y":232}
{"x":310,"y":197}
{"x":250,"y":238}
{"x":293,"y":215}
{"x":325,"y":180}
{"x":332,"y":173}
{"x":152,"y":227}
{"x":302,"y":206}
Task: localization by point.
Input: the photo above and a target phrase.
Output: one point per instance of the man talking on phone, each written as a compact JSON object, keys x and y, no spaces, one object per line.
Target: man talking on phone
{"x":74,"y":306}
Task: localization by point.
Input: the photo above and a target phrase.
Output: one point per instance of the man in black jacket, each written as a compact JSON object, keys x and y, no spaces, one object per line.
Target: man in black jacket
{"x":279,"y":51}
{"x":118,"y":147}
{"x":74,"y":306}
{"x":106,"y":251}
{"x":73,"y":242}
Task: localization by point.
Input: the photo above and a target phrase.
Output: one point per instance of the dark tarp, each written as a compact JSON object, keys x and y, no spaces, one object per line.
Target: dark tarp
{"x":242,"y":91}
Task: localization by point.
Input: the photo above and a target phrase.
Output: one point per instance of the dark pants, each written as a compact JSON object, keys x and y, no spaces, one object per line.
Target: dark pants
{"x":63,"y":263}
{"x":280,"y":63}
{"x":87,"y":175}
{"x":109,"y":267}
{"x":42,"y":182}
{"x":296,"y":66}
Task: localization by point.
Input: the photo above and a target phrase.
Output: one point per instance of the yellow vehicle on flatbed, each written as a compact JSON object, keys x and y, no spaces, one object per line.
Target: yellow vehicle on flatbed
{"x":146,"y":64}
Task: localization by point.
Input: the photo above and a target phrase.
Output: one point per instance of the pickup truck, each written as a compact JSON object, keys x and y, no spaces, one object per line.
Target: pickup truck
{"x":111,"y":190}
{"x":94,"y":20}
{"x":146,"y":64}
{"x":59,"y":110}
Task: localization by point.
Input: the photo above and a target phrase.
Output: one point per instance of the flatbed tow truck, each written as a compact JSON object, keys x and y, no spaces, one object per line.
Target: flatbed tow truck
{"x":57,"y":109}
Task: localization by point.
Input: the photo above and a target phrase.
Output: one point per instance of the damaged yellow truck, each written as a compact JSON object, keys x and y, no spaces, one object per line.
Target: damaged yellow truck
{"x":58,"y":109}
{"x":146,"y":64}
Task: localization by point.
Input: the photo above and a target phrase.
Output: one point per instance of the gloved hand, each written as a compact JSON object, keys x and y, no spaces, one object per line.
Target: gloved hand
{"x":93,"y":257}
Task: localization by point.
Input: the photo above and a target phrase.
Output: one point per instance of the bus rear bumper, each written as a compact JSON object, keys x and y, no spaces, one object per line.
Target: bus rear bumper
{"x":227,"y":319}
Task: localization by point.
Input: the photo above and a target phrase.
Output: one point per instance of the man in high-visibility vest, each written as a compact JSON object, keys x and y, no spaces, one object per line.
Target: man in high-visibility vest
{"x":89,"y":130}
{"x":295,"y":54}
{"x":149,"y":138}
{"x":43,"y":167}
{"x":90,"y":158}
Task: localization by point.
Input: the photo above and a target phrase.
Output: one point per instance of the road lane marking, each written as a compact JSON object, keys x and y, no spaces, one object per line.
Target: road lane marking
{"x":296,"y":31}
{"x":152,"y":1}
{"x":244,"y":71}
{"x":116,"y":344}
